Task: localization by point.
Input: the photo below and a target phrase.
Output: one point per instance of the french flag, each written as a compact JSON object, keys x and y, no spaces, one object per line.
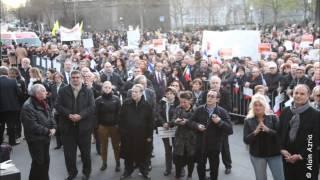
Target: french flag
{"x":187,"y":73}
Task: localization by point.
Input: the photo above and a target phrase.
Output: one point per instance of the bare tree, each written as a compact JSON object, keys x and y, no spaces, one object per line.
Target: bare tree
{"x":317,"y":13}
{"x":178,"y":11}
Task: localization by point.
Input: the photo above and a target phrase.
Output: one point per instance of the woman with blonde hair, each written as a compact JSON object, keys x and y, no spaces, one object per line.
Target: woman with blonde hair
{"x":260,"y":133}
{"x":35,"y":77}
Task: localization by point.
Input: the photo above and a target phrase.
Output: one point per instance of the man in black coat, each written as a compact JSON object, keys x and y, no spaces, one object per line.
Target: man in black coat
{"x":9,"y":105}
{"x":136,"y":129}
{"x":75,"y":106}
{"x":224,"y":101}
{"x":107,"y":74}
{"x":39,"y":127}
{"x":299,"y":133}
{"x":213,"y":123}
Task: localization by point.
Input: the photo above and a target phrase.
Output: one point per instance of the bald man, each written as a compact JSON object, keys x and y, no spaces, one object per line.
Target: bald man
{"x":299,"y":133}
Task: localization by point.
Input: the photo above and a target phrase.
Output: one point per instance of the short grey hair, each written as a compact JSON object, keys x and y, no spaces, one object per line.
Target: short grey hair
{"x":140,"y":86}
{"x":4,"y":70}
{"x":139,"y":78}
{"x":35,"y":88}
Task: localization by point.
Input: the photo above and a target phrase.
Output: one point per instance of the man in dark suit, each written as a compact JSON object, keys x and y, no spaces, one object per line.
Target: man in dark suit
{"x":67,"y":70}
{"x":213,"y":124}
{"x":224,"y":102}
{"x":159,"y":81}
{"x":107,"y":74}
{"x":9,"y":105}
{"x":75,"y":106}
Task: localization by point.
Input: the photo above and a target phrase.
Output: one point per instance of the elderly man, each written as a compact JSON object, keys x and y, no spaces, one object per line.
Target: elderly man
{"x":299,"y":132}
{"x":75,"y":106}
{"x":301,"y":78}
{"x":24,"y":69}
{"x":39,"y":127}
{"x":136,"y":129}
{"x":107,"y":74}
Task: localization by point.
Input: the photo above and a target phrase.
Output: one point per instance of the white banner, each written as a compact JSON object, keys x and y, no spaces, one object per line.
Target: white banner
{"x":73,"y":34}
{"x":133,"y":39}
{"x":242,"y":43}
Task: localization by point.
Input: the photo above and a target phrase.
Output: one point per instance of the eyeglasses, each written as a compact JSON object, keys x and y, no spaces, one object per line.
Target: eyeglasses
{"x":211,"y":96}
{"x":75,"y":77}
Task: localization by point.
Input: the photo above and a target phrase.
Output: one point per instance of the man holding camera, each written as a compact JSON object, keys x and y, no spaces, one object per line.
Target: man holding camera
{"x":213,"y":123}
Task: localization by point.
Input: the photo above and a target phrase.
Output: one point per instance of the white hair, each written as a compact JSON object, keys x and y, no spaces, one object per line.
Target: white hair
{"x":262,"y":100}
{"x":35,"y":88}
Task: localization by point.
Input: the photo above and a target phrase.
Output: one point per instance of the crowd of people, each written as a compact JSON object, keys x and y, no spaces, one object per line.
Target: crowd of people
{"x":125,"y":95}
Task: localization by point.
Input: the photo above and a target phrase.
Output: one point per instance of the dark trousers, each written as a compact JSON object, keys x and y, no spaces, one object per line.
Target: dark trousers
{"x":130,"y":164}
{"x":181,"y":161}
{"x":10,"y":118}
{"x":58,"y":133}
{"x":213,"y":162}
{"x":71,"y":140}
{"x":39,"y":152}
{"x":168,"y":153}
{"x":225,"y":153}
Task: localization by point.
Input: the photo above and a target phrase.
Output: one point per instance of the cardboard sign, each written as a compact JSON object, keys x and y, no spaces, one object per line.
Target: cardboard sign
{"x":159,"y":45}
{"x":306,"y":40}
{"x":87,"y":43}
{"x":133,"y":39}
{"x":166,"y":133}
{"x":264,"y":48}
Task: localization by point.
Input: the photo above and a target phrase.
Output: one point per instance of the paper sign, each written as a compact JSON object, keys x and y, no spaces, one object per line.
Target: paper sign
{"x":87,"y":43}
{"x":133,"y":39}
{"x":288,"y":45}
{"x":56,"y":65}
{"x":159,"y":45}
{"x":247,"y":91}
{"x":174,"y":48}
{"x":314,"y":54}
{"x":264,"y":48}
{"x":164,"y":133}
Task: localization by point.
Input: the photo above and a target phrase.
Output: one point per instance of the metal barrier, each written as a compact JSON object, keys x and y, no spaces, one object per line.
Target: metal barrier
{"x":240,"y":102}
{"x":44,"y":63}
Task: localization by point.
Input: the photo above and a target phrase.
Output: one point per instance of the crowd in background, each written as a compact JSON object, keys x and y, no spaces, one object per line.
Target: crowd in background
{"x":179,"y":89}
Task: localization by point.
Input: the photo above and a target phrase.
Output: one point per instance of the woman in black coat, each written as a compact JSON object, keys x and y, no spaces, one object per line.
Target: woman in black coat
{"x":261,"y":134}
{"x":185,"y":138}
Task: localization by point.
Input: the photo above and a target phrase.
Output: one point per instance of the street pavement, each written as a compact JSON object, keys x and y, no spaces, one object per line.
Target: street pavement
{"x":241,"y":165}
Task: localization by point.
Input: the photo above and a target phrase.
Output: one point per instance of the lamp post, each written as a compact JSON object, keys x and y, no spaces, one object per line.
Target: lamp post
{"x":74,"y":12}
{"x":251,"y":13}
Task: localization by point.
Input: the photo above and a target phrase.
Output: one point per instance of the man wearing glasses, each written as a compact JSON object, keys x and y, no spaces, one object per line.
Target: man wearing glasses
{"x":213,"y":123}
{"x":75,"y":105}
